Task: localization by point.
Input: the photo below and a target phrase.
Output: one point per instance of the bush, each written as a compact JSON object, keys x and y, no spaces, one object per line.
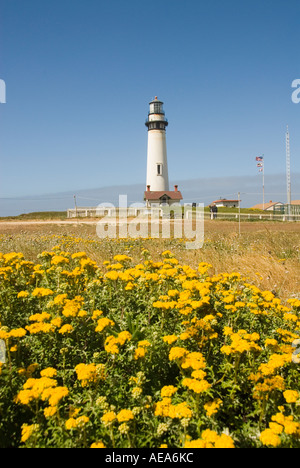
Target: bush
{"x":153,"y":354}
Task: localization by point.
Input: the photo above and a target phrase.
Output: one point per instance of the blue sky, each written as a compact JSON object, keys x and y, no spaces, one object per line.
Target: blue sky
{"x":80,"y":74}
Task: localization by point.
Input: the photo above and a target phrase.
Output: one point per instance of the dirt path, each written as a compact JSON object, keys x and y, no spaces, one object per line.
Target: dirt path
{"x":72,"y":225}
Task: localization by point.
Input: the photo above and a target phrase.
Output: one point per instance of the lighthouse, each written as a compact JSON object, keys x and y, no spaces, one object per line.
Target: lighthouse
{"x":157,"y":180}
{"x":157,"y":164}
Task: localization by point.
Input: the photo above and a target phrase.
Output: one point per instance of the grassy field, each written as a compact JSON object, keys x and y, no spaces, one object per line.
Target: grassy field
{"x":267,"y":253}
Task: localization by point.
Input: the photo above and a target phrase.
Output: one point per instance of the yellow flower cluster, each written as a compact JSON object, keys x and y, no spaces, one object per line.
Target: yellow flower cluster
{"x":141,"y":350}
{"x":76,"y":423}
{"x":42,"y":292}
{"x":280,"y":424}
{"x":45,"y":389}
{"x":28,"y":431}
{"x":207,"y":340}
{"x":166,"y":409}
{"x":212,"y":407}
{"x":241,"y":342}
{"x":276,"y":361}
{"x":211,"y":439}
{"x":90,"y":373}
{"x":14,"y":333}
{"x":112,"y":343}
{"x":104,"y":322}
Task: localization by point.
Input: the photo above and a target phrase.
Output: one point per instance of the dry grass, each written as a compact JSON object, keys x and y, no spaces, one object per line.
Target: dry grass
{"x":266,"y":253}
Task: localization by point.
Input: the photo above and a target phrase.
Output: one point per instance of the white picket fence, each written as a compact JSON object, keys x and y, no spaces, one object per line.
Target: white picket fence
{"x":95,"y":212}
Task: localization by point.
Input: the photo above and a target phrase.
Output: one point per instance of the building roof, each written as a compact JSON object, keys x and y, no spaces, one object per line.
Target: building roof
{"x":157,"y":195}
{"x":225,"y":200}
{"x":295,"y":202}
{"x":265,"y":206}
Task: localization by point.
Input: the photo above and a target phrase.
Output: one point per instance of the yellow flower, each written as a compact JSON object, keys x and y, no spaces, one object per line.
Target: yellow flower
{"x":123,"y":337}
{"x":97,"y":445}
{"x":17,"y":333}
{"x":55,"y":395}
{"x":167,"y":253}
{"x":66,"y":329}
{"x":112,"y":275}
{"x":169,"y":339}
{"x":79,"y":255}
{"x":110,"y":345}
{"x":27,"y":431}
{"x":144,"y":343}
{"x":268,"y":437}
{"x":276,"y":428}
{"x":57,"y":321}
{"x":291,"y":427}
{"x":90,"y":373}
{"x":180,"y":411}
{"x":177,"y":353}
{"x":198,"y":386}
{"x":58,"y":260}
{"x":224,"y":441}
{"x":139,"y":353}
{"x":49,"y":372}
{"x":108,"y":418}
{"x":195,"y":360}
{"x":39,"y":317}
{"x":104,"y":322}
{"x":42,"y":292}
{"x":168,"y":391}
{"x":39,"y":328}
{"x":79,"y":422}
{"x":125,"y":415}
{"x":96,"y":314}
{"x":210,"y":439}
{"x":50,"y":411}
{"x":198,"y":374}
{"x":173,"y":292}
{"x":70,"y":424}
{"x":60,"y":299}
{"x":122,"y":258}
{"x":212,"y":407}
{"x":291,"y":396}
{"x":23,"y":294}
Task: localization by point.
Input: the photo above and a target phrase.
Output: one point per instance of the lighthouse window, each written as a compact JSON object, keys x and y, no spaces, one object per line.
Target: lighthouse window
{"x":159,"y":169}
{"x":157,"y":108}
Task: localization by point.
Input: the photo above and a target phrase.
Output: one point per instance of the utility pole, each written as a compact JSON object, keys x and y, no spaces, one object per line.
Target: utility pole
{"x":288,"y":173}
{"x":261,"y":165}
{"x":263,"y":176}
{"x":75,"y":206}
{"x":239,"y":198}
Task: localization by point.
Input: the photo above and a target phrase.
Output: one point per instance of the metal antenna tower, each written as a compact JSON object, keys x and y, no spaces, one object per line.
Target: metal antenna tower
{"x":288,"y":171}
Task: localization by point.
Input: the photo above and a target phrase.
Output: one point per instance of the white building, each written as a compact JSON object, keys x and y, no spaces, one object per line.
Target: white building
{"x":269,"y":206}
{"x":162,"y":197}
{"x":226,"y":203}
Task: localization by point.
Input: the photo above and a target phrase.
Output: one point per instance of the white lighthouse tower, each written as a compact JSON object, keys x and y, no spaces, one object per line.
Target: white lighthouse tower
{"x":158,"y":192}
{"x":157,"y":164}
